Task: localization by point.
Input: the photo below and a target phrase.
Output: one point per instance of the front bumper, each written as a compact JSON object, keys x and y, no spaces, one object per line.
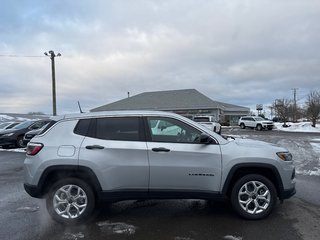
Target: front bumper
{"x":285,"y":194}
{"x":6,"y":141}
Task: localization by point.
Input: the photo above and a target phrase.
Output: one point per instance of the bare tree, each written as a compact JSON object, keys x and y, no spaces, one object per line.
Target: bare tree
{"x":313,"y":106}
{"x":282,"y":109}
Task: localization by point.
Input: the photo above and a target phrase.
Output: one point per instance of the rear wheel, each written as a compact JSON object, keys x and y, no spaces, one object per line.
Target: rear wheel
{"x":71,"y":201}
{"x":253,"y":196}
{"x":242,"y":126}
{"x":259,"y":127}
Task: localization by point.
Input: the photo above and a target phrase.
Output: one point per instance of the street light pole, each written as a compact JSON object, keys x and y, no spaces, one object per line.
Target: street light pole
{"x":52,"y":55}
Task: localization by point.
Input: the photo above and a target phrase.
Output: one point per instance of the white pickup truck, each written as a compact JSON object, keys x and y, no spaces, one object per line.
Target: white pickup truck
{"x":208,"y":121}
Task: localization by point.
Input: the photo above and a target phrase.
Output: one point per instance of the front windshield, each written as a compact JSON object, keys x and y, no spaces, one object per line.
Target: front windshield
{"x":22,"y":125}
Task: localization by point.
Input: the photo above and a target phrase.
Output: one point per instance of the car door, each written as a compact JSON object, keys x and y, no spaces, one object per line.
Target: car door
{"x":116,"y":149}
{"x":178,"y":161}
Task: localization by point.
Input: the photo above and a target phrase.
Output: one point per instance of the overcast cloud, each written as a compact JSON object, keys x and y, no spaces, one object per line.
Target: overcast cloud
{"x":244,"y":52}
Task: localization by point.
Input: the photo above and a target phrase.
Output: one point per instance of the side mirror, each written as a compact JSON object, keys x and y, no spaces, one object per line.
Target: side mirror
{"x":205,"y":139}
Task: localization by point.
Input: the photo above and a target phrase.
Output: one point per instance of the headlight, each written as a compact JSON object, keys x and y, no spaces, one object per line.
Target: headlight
{"x":285,"y":156}
{"x":7,"y":134}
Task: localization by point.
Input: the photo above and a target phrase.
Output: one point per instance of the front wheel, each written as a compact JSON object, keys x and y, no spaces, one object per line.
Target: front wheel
{"x":71,"y":201}
{"x":259,"y":127}
{"x":253,"y":196}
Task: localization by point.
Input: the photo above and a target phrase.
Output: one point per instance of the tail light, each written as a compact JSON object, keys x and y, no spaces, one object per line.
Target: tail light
{"x":34,"y":148}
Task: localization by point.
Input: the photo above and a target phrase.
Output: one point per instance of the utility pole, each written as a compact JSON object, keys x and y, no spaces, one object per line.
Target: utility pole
{"x":294,"y":104}
{"x":52,"y":55}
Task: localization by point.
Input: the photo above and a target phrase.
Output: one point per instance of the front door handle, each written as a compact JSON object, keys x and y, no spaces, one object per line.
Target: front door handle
{"x":94,"y":147}
{"x":161,"y":149}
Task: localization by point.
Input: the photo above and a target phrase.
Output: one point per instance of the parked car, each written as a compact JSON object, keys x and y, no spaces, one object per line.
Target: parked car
{"x":83,"y":159}
{"x":29,"y":135}
{"x":208,"y":122}
{"x":7,"y":125}
{"x":14,"y":136}
{"x":255,"y":122}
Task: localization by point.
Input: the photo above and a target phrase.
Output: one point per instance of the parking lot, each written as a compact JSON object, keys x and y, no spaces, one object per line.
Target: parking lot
{"x":23,"y":217}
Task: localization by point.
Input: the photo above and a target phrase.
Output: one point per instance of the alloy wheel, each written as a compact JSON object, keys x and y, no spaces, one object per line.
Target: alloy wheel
{"x":254,"y":197}
{"x":70,"y":201}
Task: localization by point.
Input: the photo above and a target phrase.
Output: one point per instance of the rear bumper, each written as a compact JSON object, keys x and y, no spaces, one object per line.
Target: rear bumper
{"x":32,"y":190}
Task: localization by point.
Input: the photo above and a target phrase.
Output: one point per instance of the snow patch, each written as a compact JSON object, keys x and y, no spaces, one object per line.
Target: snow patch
{"x":297,"y":127}
{"x":73,"y":236}
{"x":22,"y":119}
{"x":117,"y":228}
{"x":230,"y":237}
{"x":5,"y":117}
{"x":28,"y":209}
{"x":20,"y":150}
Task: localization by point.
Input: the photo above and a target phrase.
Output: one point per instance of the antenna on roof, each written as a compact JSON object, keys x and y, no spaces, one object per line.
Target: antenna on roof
{"x":80,"y":107}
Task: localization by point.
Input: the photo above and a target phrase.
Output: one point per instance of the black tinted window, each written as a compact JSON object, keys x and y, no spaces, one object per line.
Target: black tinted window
{"x":82,"y":127}
{"x":118,"y":128}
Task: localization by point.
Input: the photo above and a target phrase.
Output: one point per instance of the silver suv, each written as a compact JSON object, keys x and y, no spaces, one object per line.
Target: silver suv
{"x":255,"y":122}
{"x":82,"y":159}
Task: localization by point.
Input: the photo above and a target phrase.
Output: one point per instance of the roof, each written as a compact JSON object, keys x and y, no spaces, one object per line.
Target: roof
{"x":111,"y":114}
{"x":186,"y":99}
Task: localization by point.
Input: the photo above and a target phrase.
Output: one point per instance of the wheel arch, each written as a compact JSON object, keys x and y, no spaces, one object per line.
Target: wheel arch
{"x":240,"y":170}
{"x":55,"y":173}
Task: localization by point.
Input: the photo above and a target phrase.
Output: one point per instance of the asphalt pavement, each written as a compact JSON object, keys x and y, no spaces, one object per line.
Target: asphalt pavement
{"x":26,"y":218}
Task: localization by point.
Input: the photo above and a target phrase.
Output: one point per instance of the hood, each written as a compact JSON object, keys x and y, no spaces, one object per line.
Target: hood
{"x":9,"y":131}
{"x":256,"y":144}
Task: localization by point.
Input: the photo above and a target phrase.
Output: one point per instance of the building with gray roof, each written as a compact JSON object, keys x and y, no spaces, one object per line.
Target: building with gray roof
{"x":186,"y":102}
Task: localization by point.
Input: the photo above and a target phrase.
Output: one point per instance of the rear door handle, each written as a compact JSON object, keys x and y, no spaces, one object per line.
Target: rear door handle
{"x":161,"y":149}
{"x":94,"y":147}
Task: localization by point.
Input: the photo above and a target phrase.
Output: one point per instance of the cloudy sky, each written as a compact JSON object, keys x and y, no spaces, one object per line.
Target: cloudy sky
{"x":243,"y":52}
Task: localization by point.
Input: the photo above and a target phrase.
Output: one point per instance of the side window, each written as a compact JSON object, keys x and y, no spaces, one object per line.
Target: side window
{"x":36,"y":125}
{"x":171,"y":130}
{"x":119,"y":128}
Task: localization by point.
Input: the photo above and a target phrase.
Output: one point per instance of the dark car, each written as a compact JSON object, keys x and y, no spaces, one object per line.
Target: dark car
{"x":7,"y":125}
{"x":29,"y":135}
{"x":14,"y":136}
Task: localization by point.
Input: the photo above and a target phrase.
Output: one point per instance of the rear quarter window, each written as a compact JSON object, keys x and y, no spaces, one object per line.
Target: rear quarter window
{"x":82,"y":127}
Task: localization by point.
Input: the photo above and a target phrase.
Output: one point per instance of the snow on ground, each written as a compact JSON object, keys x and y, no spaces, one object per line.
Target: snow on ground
{"x":21,"y":150}
{"x":297,"y":127}
{"x":5,"y":118}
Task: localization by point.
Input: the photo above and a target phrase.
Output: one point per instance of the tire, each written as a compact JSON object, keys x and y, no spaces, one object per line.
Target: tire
{"x":242,"y":126}
{"x":71,"y":201}
{"x":259,"y":127}
{"x":20,"y":143}
{"x":253,"y":197}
